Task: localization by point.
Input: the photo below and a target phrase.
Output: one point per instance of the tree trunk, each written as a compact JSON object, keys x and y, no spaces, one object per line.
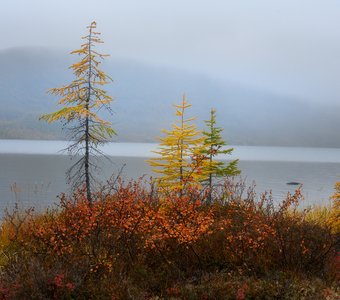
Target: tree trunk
{"x":87,"y":132}
{"x":87,"y":161}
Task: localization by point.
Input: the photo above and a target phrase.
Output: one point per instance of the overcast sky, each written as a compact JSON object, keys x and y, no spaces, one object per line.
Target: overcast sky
{"x":291,"y":47}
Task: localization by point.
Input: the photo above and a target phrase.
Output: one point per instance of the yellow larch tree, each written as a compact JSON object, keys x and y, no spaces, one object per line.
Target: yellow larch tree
{"x":81,"y":100}
{"x":177,"y":163}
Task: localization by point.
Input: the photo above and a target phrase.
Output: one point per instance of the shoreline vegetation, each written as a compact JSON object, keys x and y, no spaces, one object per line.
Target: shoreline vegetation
{"x":135,"y":242}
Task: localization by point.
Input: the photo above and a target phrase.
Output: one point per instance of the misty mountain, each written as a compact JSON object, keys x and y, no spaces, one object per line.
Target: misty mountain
{"x":143,"y":98}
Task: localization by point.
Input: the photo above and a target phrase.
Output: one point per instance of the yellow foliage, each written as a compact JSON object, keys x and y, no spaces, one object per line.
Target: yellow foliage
{"x":334,"y":219}
{"x":319,"y":215}
{"x":175,"y":155}
{"x":83,"y":95}
{"x":327,"y":216}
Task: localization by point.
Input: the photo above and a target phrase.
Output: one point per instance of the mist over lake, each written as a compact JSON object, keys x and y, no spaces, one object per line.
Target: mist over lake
{"x":144,"y":95}
{"x":33,"y":172}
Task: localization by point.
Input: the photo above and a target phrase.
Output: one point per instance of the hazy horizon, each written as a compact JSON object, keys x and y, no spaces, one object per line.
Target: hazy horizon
{"x":286,"y":47}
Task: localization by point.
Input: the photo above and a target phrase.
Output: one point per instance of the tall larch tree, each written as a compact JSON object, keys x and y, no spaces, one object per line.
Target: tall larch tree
{"x":213,"y":146}
{"x":175,"y":162}
{"x":81,"y":101}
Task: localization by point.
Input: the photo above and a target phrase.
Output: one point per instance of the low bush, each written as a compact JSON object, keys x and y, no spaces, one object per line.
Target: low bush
{"x":133,"y":243}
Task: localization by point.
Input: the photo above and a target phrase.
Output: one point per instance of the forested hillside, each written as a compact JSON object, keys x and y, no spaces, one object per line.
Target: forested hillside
{"x":143,"y":96}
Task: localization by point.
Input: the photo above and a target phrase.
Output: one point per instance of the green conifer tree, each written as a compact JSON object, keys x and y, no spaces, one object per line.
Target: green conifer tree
{"x":214,"y":145}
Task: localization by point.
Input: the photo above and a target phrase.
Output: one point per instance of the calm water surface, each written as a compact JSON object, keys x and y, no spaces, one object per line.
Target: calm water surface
{"x":33,"y":172}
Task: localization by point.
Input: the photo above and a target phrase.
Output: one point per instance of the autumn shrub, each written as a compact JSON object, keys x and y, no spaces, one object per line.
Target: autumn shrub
{"x":257,"y":236}
{"x":231,"y":286}
{"x":117,"y":239}
{"x":134,"y":243}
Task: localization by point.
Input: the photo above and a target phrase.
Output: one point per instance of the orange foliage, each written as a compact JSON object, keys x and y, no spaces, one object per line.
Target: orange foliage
{"x":128,"y":212}
{"x":181,"y":219}
{"x":130,"y":228}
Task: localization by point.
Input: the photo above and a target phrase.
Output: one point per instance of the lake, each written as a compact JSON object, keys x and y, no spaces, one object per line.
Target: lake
{"x":33,"y":172}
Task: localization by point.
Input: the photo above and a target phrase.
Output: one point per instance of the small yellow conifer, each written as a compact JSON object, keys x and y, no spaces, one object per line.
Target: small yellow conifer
{"x":177,"y":163}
